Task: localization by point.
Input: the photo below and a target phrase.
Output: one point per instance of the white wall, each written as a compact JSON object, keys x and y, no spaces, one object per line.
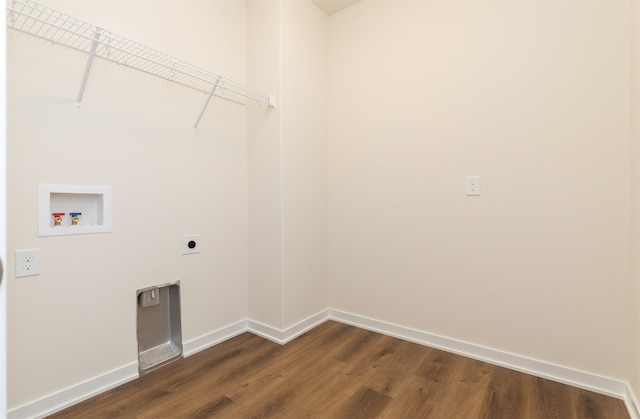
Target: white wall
{"x":634,"y":294}
{"x":264,"y":165}
{"x":534,"y":98}
{"x":134,"y":134}
{"x":304,"y":160}
{"x":288,"y":163}
{"x":3,"y":223}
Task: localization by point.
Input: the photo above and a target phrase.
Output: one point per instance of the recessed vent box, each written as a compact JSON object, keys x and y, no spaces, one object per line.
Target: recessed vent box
{"x":159,"y":326}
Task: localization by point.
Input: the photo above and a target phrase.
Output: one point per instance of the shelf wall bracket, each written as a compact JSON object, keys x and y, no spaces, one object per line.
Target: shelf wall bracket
{"x":206,"y":103}
{"x":85,"y":76}
{"x":12,"y":16}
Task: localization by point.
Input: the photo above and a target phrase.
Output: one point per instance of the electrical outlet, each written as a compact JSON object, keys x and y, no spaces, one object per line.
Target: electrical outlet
{"x":27,"y":262}
{"x":473,"y":185}
{"x":191,"y":244}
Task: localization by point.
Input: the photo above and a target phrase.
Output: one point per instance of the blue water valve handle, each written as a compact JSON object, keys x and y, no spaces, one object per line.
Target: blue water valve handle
{"x":75,"y":217}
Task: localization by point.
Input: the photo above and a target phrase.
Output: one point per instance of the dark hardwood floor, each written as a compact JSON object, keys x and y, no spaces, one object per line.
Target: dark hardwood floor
{"x":340,"y":371}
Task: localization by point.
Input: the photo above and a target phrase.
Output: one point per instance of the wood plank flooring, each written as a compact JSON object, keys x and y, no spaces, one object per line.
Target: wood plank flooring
{"x":339,"y":371}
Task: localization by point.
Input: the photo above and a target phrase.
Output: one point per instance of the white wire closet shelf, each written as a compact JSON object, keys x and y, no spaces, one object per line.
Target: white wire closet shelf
{"x":47,"y":23}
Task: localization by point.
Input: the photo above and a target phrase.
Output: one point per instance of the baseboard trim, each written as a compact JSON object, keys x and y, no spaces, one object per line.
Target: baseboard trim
{"x":75,"y":394}
{"x":283,"y":336}
{"x":576,"y":378}
{"x":631,"y":401}
{"x":263,"y":330}
{"x":85,"y":390}
{"x":211,"y":339}
{"x":305,"y":325}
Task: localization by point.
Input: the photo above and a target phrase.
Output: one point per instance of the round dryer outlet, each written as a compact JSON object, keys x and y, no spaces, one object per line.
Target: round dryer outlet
{"x":191,"y":244}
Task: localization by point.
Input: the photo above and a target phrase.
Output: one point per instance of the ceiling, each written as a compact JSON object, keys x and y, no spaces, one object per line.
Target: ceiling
{"x":332,"y":6}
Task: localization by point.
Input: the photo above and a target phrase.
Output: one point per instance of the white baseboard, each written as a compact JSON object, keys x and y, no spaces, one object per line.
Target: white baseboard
{"x":581,"y":379}
{"x":268,"y":332}
{"x":631,"y":401}
{"x":210,"y":339}
{"x":290,"y":333}
{"x":75,"y":394}
{"x":576,"y":378}
{"x":85,"y":390}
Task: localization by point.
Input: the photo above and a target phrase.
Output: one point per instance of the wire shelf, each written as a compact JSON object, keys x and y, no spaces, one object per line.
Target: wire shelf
{"x":47,"y":23}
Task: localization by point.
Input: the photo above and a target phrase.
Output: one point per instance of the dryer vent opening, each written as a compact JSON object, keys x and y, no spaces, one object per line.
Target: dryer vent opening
{"x":158,"y":326}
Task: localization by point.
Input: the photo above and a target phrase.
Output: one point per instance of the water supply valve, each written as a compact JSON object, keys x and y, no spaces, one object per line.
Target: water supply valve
{"x":75,"y":217}
{"x":57,"y":218}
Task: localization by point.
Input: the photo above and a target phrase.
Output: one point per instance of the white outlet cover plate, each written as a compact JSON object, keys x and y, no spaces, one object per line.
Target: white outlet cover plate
{"x":473,"y":186}
{"x":191,"y":243}
{"x":27,"y":262}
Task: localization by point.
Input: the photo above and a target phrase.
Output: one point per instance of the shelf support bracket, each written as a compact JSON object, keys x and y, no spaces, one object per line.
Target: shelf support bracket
{"x":85,"y":76}
{"x":12,"y":14}
{"x":206,"y":103}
